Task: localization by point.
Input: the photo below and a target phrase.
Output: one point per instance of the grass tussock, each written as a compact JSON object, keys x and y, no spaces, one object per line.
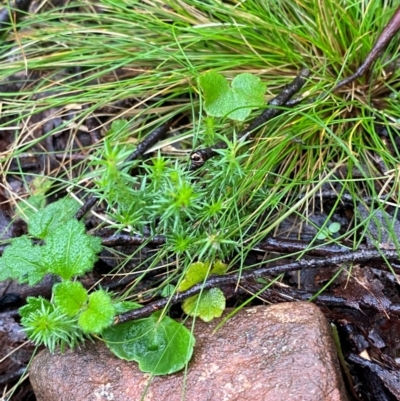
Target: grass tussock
{"x":73,"y":61}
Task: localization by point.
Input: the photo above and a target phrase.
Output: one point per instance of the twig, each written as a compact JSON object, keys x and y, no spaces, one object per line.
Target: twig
{"x":123,"y":239}
{"x":392,"y":27}
{"x":89,"y":203}
{"x":218,"y":281}
{"x":200,"y":156}
{"x":269,"y":245}
{"x":149,"y":141}
{"x":282,"y":245}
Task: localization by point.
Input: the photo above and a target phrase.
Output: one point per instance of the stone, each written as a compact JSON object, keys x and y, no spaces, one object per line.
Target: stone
{"x":278,"y":353}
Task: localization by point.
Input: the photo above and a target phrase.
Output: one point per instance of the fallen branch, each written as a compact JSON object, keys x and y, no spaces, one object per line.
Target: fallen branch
{"x":218,"y":281}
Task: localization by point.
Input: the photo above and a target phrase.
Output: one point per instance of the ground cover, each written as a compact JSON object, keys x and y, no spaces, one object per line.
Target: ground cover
{"x":149,"y":114}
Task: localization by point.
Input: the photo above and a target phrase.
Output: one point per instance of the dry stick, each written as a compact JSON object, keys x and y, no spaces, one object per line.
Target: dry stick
{"x":272,"y":244}
{"x":123,"y":239}
{"x":200,"y":156}
{"x":89,"y":203}
{"x":218,"y":281}
{"x":382,"y":42}
{"x":391,"y":28}
{"x":282,"y":245}
{"x":149,"y":141}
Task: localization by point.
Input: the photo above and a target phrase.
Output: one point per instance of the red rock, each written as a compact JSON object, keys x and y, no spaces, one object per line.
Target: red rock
{"x":282,"y":352}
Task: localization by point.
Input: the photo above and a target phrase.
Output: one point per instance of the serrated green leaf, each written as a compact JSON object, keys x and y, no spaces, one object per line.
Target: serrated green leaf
{"x":160,"y":347}
{"x":125,"y":306}
{"x":208,"y":305}
{"x":246,"y":92}
{"x":45,"y":221}
{"x":70,"y":297}
{"x":195,"y":273}
{"x":22,"y":261}
{"x":69,"y":251}
{"x":99,"y":314}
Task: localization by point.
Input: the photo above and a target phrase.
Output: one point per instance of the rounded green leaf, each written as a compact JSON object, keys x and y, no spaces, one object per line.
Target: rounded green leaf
{"x":219,"y":268}
{"x":99,"y":313}
{"x":195,"y":273}
{"x":159,"y":346}
{"x":168,"y":290}
{"x":215,"y":87}
{"x":235,"y":102}
{"x":70,"y":297}
{"x":334,"y":227}
{"x":208,"y":305}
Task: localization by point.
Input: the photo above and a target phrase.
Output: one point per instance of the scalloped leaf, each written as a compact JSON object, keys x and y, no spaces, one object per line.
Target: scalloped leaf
{"x":69,"y":251}
{"x":219,"y":268}
{"x":207,"y":305}
{"x":198,"y":272}
{"x":159,"y":346}
{"x":22,"y":261}
{"x":246,"y":92}
{"x":195,"y":273}
{"x":99,"y":314}
{"x":70,"y":297}
{"x":45,"y":221}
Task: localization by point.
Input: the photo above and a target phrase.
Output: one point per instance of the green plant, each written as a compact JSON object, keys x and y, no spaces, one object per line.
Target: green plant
{"x":188,"y":211}
{"x":67,"y":251}
{"x":72,"y":313}
{"x":158,"y":343}
{"x":209,"y":304}
{"x":243,"y":195}
{"x":247,"y":92}
{"x":327,"y":232}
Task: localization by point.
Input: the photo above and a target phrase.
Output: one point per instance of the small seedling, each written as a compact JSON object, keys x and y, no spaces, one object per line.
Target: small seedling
{"x":327,"y":232}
